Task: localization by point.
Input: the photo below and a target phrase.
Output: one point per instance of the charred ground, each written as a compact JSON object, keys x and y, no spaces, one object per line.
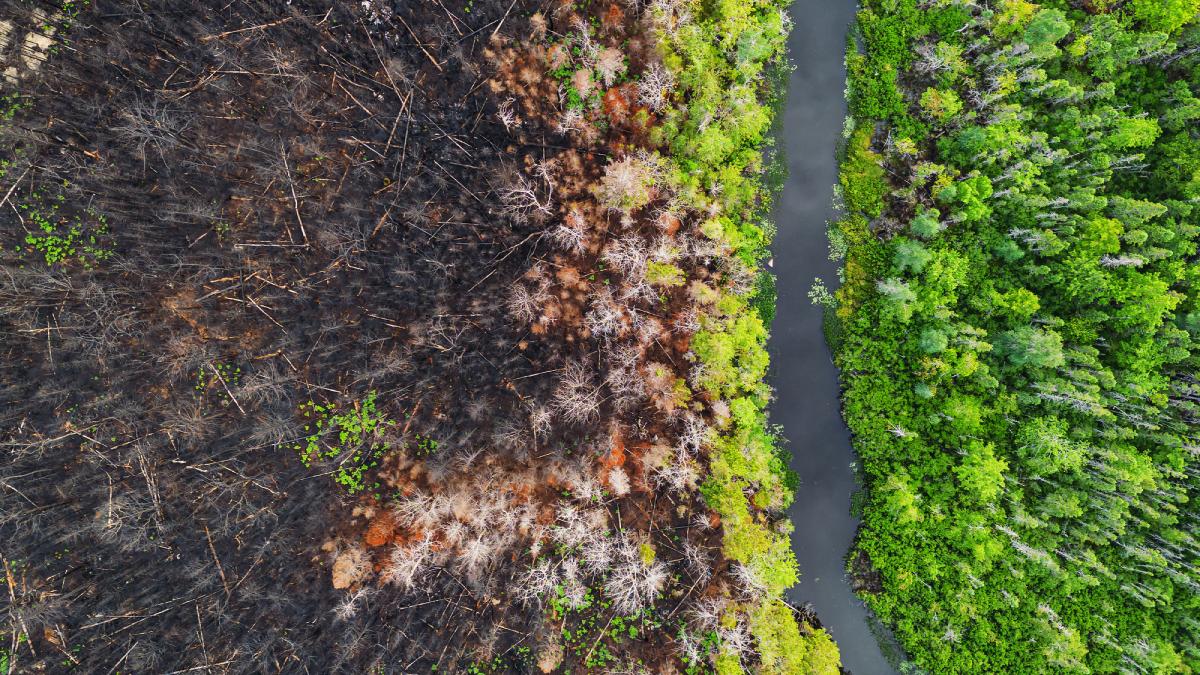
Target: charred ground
{"x":350,"y":337}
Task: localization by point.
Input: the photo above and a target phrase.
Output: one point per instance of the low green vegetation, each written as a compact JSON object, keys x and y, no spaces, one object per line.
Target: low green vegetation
{"x":791,"y":647}
{"x":59,"y":236}
{"x":349,"y":439}
{"x":519,"y":659}
{"x":10,"y":105}
{"x":591,"y":628}
{"x":217,"y":379}
{"x":1017,"y":329}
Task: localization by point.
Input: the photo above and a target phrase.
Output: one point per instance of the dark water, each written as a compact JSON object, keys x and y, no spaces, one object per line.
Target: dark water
{"x":804,"y":377}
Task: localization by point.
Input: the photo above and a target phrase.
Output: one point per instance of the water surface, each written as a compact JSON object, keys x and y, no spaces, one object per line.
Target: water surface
{"x":803,"y":374}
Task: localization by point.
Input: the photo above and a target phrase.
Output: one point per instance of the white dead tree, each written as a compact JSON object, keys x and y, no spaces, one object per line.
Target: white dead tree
{"x":507,"y":116}
{"x":571,"y":234}
{"x":520,"y":197}
{"x":577,"y":397}
{"x":655,"y":86}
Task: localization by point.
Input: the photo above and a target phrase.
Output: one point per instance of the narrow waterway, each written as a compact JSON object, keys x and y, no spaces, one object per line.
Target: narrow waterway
{"x":803,"y":374}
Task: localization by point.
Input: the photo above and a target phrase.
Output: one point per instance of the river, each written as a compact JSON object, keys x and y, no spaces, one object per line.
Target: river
{"x":803,"y":374}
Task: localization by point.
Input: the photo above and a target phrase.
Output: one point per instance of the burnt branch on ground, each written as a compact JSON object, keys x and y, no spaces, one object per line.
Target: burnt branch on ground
{"x":217,"y":214}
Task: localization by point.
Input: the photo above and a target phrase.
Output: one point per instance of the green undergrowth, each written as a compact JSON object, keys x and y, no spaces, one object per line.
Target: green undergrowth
{"x":59,"y":236}
{"x":591,"y":630}
{"x":518,"y":659}
{"x":216,"y":380}
{"x":727,"y":63}
{"x":350,"y":440}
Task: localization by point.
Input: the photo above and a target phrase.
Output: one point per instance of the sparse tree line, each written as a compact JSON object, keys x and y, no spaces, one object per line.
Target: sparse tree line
{"x":663,"y":278}
{"x":1017,"y":327}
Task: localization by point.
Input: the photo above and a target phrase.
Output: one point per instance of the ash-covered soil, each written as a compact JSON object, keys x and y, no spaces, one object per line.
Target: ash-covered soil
{"x":328,"y":345}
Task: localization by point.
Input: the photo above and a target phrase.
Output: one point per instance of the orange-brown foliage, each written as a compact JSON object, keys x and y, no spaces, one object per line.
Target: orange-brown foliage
{"x":613,"y":18}
{"x":617,"y":103}
{"x":380,"y":532}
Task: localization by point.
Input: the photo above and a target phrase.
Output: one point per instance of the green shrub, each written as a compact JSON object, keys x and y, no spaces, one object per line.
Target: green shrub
{"x":788,"y":648}
{"x":764,"y":297}
{"x":863,"y":181}
{"x":664,"y":274}
{"x":1167,"y":16}
{"x":941,"y":104}
{"x":733,"y":351}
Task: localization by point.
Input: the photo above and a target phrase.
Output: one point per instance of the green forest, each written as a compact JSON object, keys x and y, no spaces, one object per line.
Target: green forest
{"x":1018,"y":330}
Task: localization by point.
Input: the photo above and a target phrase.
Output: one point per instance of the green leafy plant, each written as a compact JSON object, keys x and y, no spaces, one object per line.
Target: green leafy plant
{"x":218,"y":380}
{"x":351,"y":438}
{"x":60,"y":237}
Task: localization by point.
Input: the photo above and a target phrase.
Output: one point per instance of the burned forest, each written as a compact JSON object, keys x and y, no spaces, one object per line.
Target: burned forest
{"x":391,"y":337}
